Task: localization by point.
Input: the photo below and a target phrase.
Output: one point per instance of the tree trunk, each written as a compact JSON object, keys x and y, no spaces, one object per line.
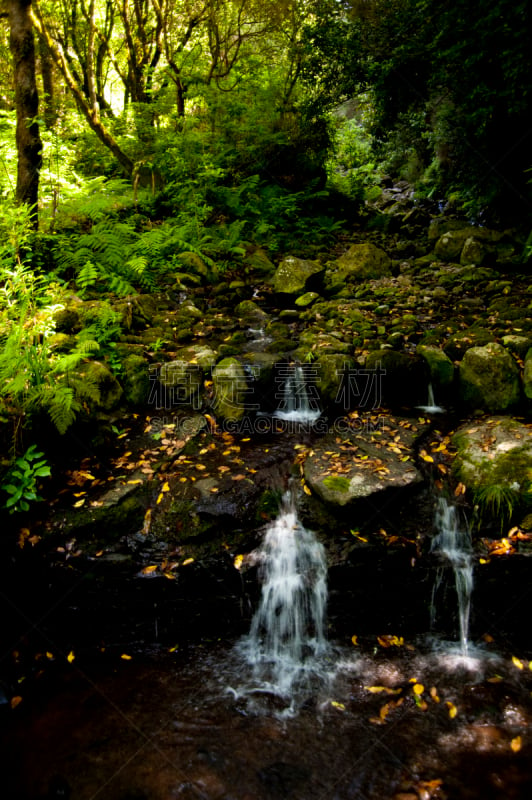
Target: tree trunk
{"x":90,"y":112}
{"x":29,"y":145}
{"x":47,"y":75}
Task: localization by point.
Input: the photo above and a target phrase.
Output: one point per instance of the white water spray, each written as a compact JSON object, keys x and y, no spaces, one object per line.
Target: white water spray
{"x":287,"y":635}
{"x":431,"y":407}
{"x":296,"y":405}
{"x":453,"y":543}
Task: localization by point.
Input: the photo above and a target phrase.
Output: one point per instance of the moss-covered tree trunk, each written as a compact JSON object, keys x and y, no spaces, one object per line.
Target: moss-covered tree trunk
{"x":29,"y":145}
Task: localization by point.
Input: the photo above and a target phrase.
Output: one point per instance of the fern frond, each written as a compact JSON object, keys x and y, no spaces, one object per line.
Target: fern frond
{"x":63,"y":407}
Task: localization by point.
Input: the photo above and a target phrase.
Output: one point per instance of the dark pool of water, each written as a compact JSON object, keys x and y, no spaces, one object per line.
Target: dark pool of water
{"x":187,"y":725}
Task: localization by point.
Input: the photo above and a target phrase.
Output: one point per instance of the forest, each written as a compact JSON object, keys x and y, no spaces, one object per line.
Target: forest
{"x":264,"y":269}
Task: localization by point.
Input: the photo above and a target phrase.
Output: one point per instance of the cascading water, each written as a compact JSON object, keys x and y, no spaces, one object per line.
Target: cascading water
{"x":431,"y":407}
{"x":296,"y":405}
{"x":287,"y":637}
{"x":452,"y":543}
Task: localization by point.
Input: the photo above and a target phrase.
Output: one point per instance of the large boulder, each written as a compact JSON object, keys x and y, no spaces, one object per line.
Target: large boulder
{"x":332,"y":374}
{"x":494,"y":461}
{"x":362,"y":463}
{"x":489,"y":378}
{"x":294,"y":275}
{"x":181,"y":380}
{"x":230,"y":389}
{"x":362,"y":262}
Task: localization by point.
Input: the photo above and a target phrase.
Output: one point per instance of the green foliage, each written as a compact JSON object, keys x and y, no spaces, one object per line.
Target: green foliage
{"x":496,"y":502}
{"x":22,"y":479}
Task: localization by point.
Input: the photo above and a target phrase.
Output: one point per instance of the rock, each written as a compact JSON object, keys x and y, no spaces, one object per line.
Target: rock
{"x":181,"y":383}
{"x":251,"y":313}
{"x":230,"y":389}
{"x":362,"y":262}
{"x":107,"y":388}
{"x":136,"y":380}
{"x":195,"y":264}
{"x":259,"y":262}
{"x":307,"y":299}
{"x":398,"y":379}
{"x":293,"y":275}
{"x":362,"y":466}
{"x":332,"y":372}
{"x":519,"y":345}
{"x":441,"y":368}
{"x":460,"y":342}
{"x":527,"y":375}
{"x":494,"y":452}
{"x":489,"y":378}
{"x":473,"y":251}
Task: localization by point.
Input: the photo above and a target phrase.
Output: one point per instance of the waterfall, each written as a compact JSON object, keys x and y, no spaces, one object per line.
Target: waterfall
{"x":296,"y":404}
{"x":452,"y":543}
{"x":431,"y":407}
{"x":287,"y":635}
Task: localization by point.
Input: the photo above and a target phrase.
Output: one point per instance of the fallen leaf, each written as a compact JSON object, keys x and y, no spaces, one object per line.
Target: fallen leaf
{"x":149,"y":570}
{"x":385,"y":689}
{"x":71,"y":657}
{"x":516,"y":744}
{"x":125,"y":657}
{"x":187,"y":561}
{"x":14,"y":702}
{"x":354,"y":639}
{"x":418,"y":688}
{"x":453,"y":711}
{"x":517,"y":662}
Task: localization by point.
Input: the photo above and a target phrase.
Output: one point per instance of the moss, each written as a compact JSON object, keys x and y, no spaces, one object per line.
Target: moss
{"x":336,"y":483}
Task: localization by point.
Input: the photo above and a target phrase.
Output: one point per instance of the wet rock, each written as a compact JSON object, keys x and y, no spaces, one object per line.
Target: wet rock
{"x":362,"y":465}
{"x":494,"y":452}
{"x":251,"y":313}
{"x":181,"y":383}
{"x":293,"y":275}
{"x":332,"y":372}
{"x":441,"y":368}
{"x":489,"y":379}
{"x":362,"y":262}
{"x":230,"y":389}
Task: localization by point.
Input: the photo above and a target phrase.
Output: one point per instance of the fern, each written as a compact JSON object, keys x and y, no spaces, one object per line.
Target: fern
{"x":62,"y":405}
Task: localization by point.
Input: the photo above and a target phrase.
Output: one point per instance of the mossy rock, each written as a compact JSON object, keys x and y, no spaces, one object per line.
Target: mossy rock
{"x":399,"y":379}
{"x":307,"y":299}
{"x":106,"y":391}
{"x":527,"y":376}
{"x":441,"y":368}
{"x":332,"y":372}
{"x":458,"y":343}
{"x":494,"y":452}
{"x":251,"y":313}
{"x":362,"y":262}
{"x":293,"y":275}
{"x":489,"y":379}
{"x":181,"y":384}
{"x":136,"y":380}
{"x":230,"y":389}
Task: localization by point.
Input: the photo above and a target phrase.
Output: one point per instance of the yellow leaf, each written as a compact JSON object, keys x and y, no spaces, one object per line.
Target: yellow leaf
{"x":15,"y":701}
{"x":173,"y":649}
{"x":147,"y":522}
{"x":71,"y":657}
{"x":306,"y":489}
{"x":517,"y":663}
{"x":182,"y":479}
{"x":187,"y":561}
{"x":488,"y":638}
{"x":385,"y":689}
{"x":125,"y":657}
{"x":79,"y":503}
{"x":428,"y":458}
{"x":516,"y":744}
{"x":50,"y":656}
{"x":149,"y":570}
{"x":338,"y":705}
{"x":434,"y":694}
{"x":354,"y":639}
{"x":161,"y":495}
{"x":165,"y":487}
{"x":453,"y":711}
{"x":418,"y":688}
{"x":237,"y":563}
{"x":169,"y":575}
